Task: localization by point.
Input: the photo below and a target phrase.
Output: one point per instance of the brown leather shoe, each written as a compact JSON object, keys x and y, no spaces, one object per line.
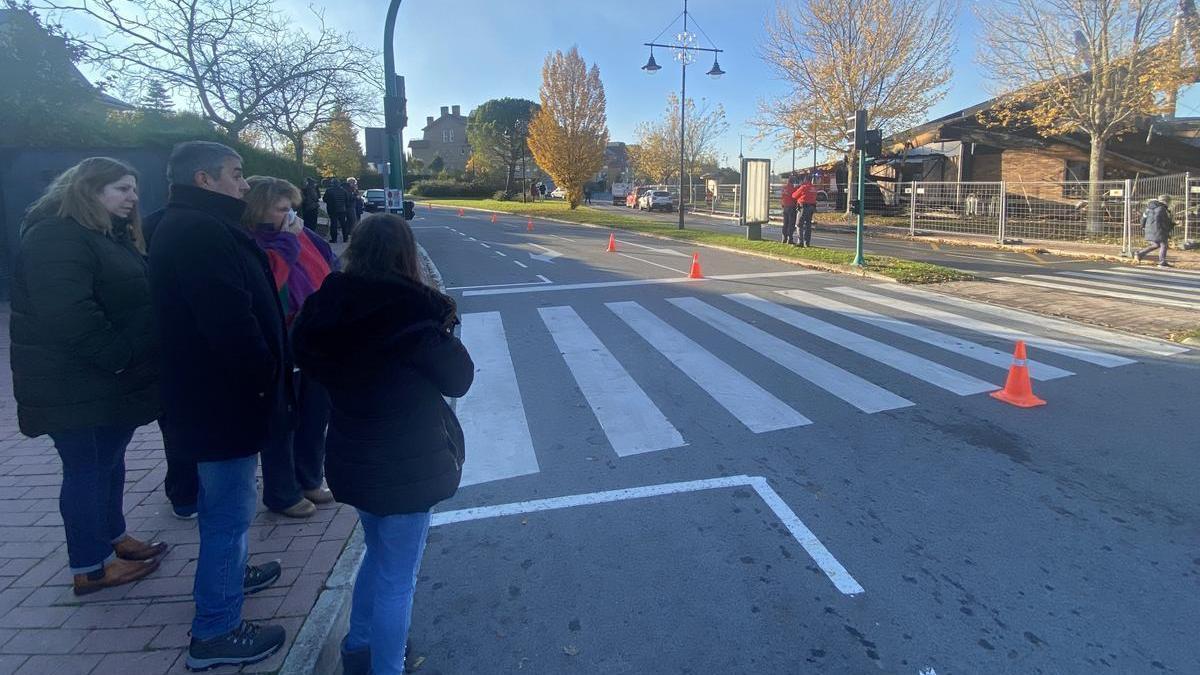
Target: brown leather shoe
{"x":115,"y":573}
{"x":132,"y":549}
{"x":319,"y":496}
{"x":301,"y":509}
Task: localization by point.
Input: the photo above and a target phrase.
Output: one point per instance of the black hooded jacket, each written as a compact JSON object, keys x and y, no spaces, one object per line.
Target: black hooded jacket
{"x":394,"y":445}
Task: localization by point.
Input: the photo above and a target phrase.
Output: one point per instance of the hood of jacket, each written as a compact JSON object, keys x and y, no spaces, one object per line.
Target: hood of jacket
{"x":353,"y":325}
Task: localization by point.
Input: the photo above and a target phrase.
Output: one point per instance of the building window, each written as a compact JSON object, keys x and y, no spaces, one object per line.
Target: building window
{"x":447,"y":135}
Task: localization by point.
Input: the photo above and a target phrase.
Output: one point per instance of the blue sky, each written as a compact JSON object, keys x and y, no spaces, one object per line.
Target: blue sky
{"x":465,"y":52}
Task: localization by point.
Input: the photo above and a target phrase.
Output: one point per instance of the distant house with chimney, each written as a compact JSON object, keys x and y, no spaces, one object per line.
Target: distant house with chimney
{"x":444,"y":137}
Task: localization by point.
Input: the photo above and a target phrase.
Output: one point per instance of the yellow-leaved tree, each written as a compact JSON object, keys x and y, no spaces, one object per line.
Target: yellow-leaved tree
{"x":568,"y":135}
{"x":1096,"y":67}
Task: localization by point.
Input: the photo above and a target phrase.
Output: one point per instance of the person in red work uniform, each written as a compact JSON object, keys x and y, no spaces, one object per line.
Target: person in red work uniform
{"x":806,"y":196}
{"x":788,"y":202}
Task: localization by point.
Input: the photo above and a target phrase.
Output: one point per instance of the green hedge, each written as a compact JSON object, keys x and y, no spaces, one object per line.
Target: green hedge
{"x":450,"y":188}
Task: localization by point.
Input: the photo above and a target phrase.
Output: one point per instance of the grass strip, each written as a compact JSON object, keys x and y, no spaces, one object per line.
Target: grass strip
{"x":903,"y":271}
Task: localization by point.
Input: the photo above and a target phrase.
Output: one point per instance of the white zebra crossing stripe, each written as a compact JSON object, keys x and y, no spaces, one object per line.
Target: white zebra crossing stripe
{"x":492,"y":415}
{"x":752,"y":405}
{"x":1137,"y":286}
{"x":1147,"y":345}
{"x":1103,"y":292}
{"x":1119,"y":276}
{"x":865,"y":396}
{"x":638,"y":282}
{"x":909,"y":364}
{"x":971,"y":350}
{"x":929,"y":312}
{"x":629,"y":418}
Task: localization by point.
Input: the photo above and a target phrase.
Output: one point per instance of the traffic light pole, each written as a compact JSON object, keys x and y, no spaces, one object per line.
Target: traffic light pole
{"x":395,"y":179}
{"x":860,"y":190}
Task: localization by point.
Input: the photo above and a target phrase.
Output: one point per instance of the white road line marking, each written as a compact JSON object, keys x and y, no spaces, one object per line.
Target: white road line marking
{"x":484,"y":245}
{"x":752,"y":405}
{"x":1088,"y":290}
{"x":808,"y":541}
{"x":1149,"y":279}
{"x":518,"y":262}
{"x":867,"y":397}
{"x":543,"y":278}
{"x":1135,"y":284}
{"x":651,"y":262}
{"x":501,"y":254}
{"x":1172,"y":272}
{"x":908,"y":364}
{"x":523,"y":283}
{"x":971,"y":350}
{"x":642,"y":282}
{"x":559,"y":236}
{"x":1149,"y":345}
{"x":629,"y":418}
{"x":491,"y":414}
{"x":1004,"y":332}
{"x":472,"y":239}
{"x":667,"y":251}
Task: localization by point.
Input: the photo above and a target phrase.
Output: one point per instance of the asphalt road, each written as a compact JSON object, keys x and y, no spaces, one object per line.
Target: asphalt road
{"x":741,"y":481}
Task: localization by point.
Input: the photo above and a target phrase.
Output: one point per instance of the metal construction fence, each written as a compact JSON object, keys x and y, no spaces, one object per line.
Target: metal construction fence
{"x":1104,"y":212}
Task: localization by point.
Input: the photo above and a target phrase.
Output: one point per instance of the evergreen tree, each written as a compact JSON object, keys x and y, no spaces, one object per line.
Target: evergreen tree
{"x":157,"y":100}
{"x":336,"y":151}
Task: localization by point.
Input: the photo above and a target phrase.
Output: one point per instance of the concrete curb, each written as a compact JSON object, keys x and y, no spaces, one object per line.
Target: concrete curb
{"x":810,"y":264}
{"x":317,"y":649}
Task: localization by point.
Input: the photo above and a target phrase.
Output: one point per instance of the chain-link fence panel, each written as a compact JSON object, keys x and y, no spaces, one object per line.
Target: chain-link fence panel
{"x":959,"y":208}
{"x":1066,"y":211}
{"x":1175,"y":187}
{"x":1191,"y":211}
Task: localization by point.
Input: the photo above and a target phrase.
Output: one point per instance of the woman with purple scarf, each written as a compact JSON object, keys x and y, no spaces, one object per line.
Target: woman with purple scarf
{"x":300,"y":260}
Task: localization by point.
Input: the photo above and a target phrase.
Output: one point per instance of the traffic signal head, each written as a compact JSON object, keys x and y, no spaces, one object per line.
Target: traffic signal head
{"x":858,"y":131}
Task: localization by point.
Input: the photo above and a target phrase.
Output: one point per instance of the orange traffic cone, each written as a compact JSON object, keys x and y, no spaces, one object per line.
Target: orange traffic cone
{"x":695,"y":273}
{"x":1017,"y":390}
{"x":529,"y":225}
{"x":493,"y":217}
{"x":612,"y":243}
{"x":460,"y":213}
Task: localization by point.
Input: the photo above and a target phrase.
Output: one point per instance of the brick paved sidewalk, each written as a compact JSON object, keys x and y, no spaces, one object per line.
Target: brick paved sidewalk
{"x":141,"y":628}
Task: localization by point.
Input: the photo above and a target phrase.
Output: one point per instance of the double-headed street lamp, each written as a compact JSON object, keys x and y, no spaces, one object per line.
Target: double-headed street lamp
{"x":684,"y":48}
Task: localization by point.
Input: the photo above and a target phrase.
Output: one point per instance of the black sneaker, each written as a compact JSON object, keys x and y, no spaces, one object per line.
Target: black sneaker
{"x":248,"y":643}
{"x":262,"y":576}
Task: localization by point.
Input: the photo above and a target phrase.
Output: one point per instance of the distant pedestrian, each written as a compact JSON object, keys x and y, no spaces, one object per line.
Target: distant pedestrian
{"x":395,"y":448}
{"x":806,"y":197}
{"x":84,"y":358}
{"x":788,"y":202}
{"x":310,"y":204}
{"x":587,"y":195}
{"x":1158,"y":224}
{"x":355,"y":204}
{"x":226,"y":376}
{"x":337,"y":205}
{"x":292,"y":463}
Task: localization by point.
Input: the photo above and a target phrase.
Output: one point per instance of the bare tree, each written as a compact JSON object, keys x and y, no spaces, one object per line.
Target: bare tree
{"x":1092,"y":66}
{"x":889,"y":57}
{"x":223,"y":54}
{"x":318,"y":84}
{"x":657,"y":149}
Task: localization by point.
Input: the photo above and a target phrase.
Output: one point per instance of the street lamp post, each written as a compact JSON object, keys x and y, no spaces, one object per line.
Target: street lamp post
{"x":395,"y":158}
{"x":684,"y":49}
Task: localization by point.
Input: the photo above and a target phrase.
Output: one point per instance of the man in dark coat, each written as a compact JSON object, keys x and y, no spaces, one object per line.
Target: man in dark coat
{"x":224,"y":373}
{"x":310,"y":204}
{"x":337,"y":203}
{"x":1158,"y":224}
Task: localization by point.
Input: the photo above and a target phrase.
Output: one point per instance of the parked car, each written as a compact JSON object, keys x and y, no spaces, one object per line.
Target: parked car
{"x":633,"y":199}
{"x":558,"y":193}
{"x":656,"y":199}
{"x":376,"y":200}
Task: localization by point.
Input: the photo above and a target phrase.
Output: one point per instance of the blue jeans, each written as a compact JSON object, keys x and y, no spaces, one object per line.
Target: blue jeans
{"x":92,"y":496}
{"x":383,"y":591}
{"x":228,"y":497}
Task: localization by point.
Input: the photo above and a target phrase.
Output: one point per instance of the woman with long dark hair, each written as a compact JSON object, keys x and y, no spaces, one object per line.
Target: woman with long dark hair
{"x":84,"y":357}
{"x":394,"y":448}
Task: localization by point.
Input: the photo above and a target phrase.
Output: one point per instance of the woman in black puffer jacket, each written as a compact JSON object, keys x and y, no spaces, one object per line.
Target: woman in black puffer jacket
{"x":382,"y":343}
{"x":83,"y":357}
